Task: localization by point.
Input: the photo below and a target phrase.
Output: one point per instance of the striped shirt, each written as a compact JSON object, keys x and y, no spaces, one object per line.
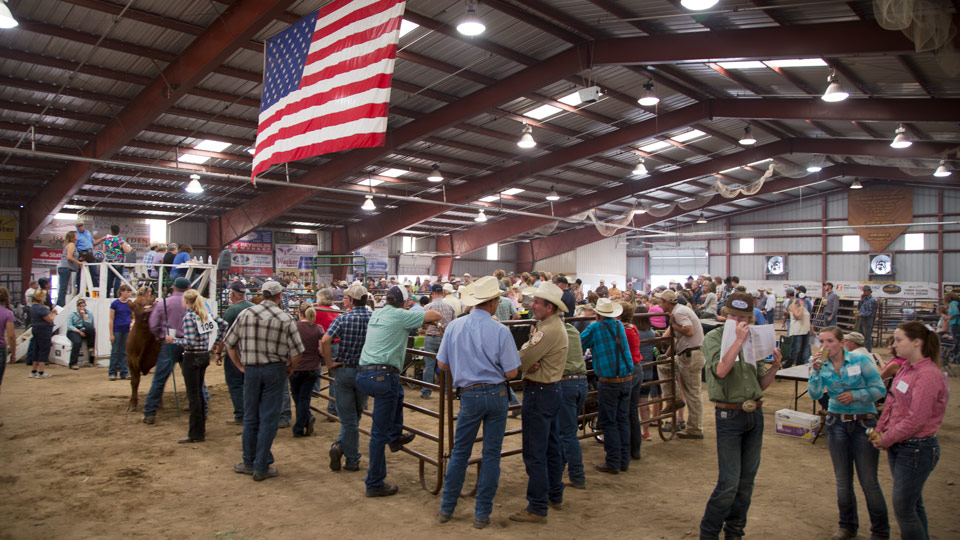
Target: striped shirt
{"x":264,"y":334}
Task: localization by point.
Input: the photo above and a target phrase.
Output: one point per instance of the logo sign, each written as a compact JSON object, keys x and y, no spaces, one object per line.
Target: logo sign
{"x":739,"y":304}
{"x":251,"y":247}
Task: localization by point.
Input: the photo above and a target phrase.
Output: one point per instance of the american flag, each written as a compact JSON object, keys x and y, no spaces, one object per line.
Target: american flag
{"x":327,"y":82}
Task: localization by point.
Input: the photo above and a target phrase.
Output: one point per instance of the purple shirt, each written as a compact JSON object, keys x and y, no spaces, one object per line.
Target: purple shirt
{"x":5,"y":316}
{"x":174,"y":309}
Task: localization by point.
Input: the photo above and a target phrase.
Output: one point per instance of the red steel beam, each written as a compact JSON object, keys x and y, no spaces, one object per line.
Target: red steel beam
{"x":235,"y":27}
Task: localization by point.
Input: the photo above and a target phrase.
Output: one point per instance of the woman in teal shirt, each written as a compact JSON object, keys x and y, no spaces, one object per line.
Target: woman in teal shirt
{"x":854,"y":385}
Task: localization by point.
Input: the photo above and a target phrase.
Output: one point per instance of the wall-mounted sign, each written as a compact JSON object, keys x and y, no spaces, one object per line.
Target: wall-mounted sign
{"x":879,"y":207}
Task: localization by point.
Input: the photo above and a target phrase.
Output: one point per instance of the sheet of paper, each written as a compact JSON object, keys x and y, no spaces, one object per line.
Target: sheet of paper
{"x":759,"y":344}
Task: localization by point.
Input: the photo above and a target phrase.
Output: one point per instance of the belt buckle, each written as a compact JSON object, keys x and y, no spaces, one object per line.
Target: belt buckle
{"x":749,"y":405}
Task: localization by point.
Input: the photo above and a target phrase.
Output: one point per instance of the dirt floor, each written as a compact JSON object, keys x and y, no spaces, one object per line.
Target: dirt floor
{"x":75,"y":465}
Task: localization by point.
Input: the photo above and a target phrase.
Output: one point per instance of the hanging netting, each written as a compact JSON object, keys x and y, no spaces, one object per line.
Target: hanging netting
{"x":928,"y":23}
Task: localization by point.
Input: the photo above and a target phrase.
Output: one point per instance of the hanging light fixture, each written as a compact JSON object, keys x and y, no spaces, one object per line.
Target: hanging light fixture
{"x":747,"y":138}
{"x":6,"y":18}
{"x":649,"y":97}
{"x":942,"y":171}
{"x":194,"y":185}
{"x":435,"y":175}
{"x":251,"y":150}
{"x":553,"y":195}
{"x":481,"y":217}
{"x":368,"y":204}
{"x":835,"y":91}
{"x":698,"y":5}
{"x":701,"y":220}
{"x":641,"y":168}
{"x":526,"y":139}
{"x":638,"y":208}
{"x":815,"y":166}
{"x":470,"y":24}
{"x":856,"y":185}
{"x":900,"y":139}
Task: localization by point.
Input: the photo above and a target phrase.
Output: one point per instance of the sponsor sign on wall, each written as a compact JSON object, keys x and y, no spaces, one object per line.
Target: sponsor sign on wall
{"x":251,"y":264}
{"x":295,"y":259}
{"x":46,"y":256}
{"x":251,"y":247}
{"x":376,"y":254}
{"x":888,"y":289}
{"x":879,"y":207}
{"x":8,"y":231}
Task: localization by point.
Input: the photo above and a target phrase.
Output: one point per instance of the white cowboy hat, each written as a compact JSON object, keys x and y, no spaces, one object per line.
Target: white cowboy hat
{"x":481,"y":290}
{"x":549,"y":292}
{"x":448,"y":287}
{"x":608,"y":308}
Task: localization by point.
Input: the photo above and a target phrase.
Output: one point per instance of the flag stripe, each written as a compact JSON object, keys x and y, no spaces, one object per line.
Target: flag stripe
{"x":373,"y":14}
{"x":286,"y":148}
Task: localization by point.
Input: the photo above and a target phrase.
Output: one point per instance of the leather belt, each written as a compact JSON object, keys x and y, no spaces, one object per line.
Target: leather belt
{"x":480,"y":385}
{"x":379,"y":367}
{"x":749,"y":406}
{"x":616,"y":379}
{"x":686,"y":352}
{"x":853,"y":417}
{"x":528,"y":382}
{"x":574,"y":377}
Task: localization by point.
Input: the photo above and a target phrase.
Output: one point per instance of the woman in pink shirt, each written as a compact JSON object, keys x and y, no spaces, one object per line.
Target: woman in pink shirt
{"x":912,"y":414}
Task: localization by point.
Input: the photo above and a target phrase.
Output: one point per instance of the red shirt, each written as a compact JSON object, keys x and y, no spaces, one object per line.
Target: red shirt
{"x":915,"y":404}
{"x":633,"y":340}
{"x":324,"y":319}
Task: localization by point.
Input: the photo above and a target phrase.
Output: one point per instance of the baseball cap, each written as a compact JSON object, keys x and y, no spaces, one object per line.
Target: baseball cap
{"x":399,"y":292}
{"x":272,"y":288}
{"x":436,"y":288}
{"x":238,"y":286}
{"x":855,"y":337}
{"x":181,"y":283}
{"x":356,"y":292}
{"x":740,"y":304}
{"x":668,"y":296}
{"x":563,"y":279}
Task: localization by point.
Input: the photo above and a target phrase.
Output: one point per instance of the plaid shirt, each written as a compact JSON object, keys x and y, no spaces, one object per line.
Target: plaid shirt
{"x":607,"y":363}
{"x":264,"y":334}
{"x":447,"y":315}
{"x":351,"y":328}
{"x":868,"y":306}
{"x":192,"y":339}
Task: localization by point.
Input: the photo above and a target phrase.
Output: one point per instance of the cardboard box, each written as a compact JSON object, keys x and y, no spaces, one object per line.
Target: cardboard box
{"x":797,"y":424}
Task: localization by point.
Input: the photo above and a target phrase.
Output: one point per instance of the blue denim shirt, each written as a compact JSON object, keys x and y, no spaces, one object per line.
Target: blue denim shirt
{"x":858,"y":376}
{"x":478,"y":350}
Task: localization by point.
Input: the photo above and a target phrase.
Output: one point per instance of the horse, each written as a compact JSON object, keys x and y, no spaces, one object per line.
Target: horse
{"x":142,"y":346}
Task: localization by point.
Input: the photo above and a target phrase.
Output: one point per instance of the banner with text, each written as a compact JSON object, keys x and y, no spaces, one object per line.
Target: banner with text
{"x":888,"y":289}
{"x":46,"y":256}
{"x":879,"y":207}
{"x":242,"y":246}
{"x":377,"y":257}
{"x":814,"y":288}
{"x":136,"y":234}
{"x":251,"y":264}
{"x":296,"y":259}
{"x":8,"y":231}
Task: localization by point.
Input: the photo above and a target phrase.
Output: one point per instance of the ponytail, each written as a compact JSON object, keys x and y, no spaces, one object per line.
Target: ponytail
{"x":192,"y":296}
{"x":931,"y":341}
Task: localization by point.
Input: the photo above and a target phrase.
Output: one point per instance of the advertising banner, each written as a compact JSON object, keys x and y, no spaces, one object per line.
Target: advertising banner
{"x":814,"y":288}
{"x":377,"y":255}
{"x":46,"y":256}
{"x":136,"y":234}
{"x":888,"y":289}
{"x":243,"y":246}
{"x":296,"y":259}
{"x":251,"y":264}
{"x":8,"y":231}
{"x":951,"y":287}
{"x":262,"y":236}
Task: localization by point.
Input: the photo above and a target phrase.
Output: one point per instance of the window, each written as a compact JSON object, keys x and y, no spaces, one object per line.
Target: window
{"x":851,"y":242}
{"x":158,"y":230}
{"x":746,"y":245}
{"x":913,"y":242}
{"x":408,"y":244}
{"x":493,"y":252}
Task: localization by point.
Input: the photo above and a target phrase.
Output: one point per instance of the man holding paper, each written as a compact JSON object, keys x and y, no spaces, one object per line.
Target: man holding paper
{"x":736,"y":378}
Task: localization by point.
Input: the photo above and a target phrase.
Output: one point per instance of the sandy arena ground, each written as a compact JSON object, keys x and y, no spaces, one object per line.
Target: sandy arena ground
{"x":75,"y":465}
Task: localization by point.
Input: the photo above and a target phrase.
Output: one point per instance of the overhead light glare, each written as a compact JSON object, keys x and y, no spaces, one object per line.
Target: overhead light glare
{"x":688,"y":136}
{"x":193,"y":158}
{"x":834,"y":91}
{"x":512,"y":191}
{"x":701,"y":220}
{"x":251,"y":151}
{"x":698,"y":5}
{"x":526,"y":139}
{"x":797,"y":62}
{"x":542,"y":112}
{"x":814,"y":168}
{"x":942,"y":171}
{"x":649,"y":97}
{"x":301,"y":231}
{"x":553,"y":195}
{"x":856,"y":185}
{"x":212,"y":146}
{"x":371,"y":182}
{"x":406,"y":27}
{"x":653,"y":147}
{"x":481,"y":217}
{"x":572,"y":99}
{"x":368,"y":204}
{"x":6,"y":17}
{"x":394,"y":173}
{"x":470,"y":24}
{"x":489,"y":198}
{"x":900,"y":140}
{"x":748,"y":138}
{"x":435,"y":175}
{"x":748,"y":64}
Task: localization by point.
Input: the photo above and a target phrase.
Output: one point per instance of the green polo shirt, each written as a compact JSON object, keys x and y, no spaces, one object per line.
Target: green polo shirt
{"x":234,"y":310}
{"x":575,"y":362}
{"x":740,"y":384}
{"x":387,"y":333}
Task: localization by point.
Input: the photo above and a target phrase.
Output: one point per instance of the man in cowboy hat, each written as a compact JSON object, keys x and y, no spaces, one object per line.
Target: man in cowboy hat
{"x":543,"y":357}
{"x":614,"y":293}
{"x":736,"y":387}
{"x":613,"y":365}
{"x":688,"y":337}
{"x":481,"y":356}
{"x":867,"y":310}
{"x":451,"y":298}
{"x":854,"y":341}
{"x":602,"y":290}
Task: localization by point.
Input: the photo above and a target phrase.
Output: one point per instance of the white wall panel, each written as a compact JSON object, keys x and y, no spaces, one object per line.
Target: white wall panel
{"x":606,"y":259}
{"x":718,"y":265}
{"x":918,"y":267}
{"x":747,"y":266}
{"x":847,"y":267}
{"x":481,"y":268}
{"x":636,"y":267}
{"x":565,"y":262}
{"x":804,"y":267}
{"x":837,"y":205}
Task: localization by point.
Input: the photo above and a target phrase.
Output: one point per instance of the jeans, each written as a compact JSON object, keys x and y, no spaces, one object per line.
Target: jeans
{"x":331,"y":389}
{"x":865,"y":327}
{"x":573,"y":393}
{"x":542,"y":456}
{"x":387,"y":427}
{"x":798,"y":344}
{"x":613,"y":402}
{"x":430,"y":344}
{"x":113,"y":280}
{"x":234,"y":378}
{"x":193,"y":366}
{"x":770,"y":315}
{"x":118,"y":355}
{"x":831,"y":320}
{"x":633,"y":412}
{"x":169,"y":354}
{"x":955,"y":352}
{"x":485,"y":405}
{"x":286,"y":410}
{"x":94,"y":277}
{"x":850,"y":447}
{"x":350,"y":404}
{"x":739,"y":441}
{"x":262,"y":390}
{"x":911,"y":462}
{"x":301,"y":387}
{"x":76,"y":339}
{"x":63,"y":283}
{"x":40,"y":344}
{"x":3,"y":362}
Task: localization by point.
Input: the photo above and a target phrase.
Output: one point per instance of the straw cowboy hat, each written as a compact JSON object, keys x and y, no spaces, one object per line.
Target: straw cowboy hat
{"x":481,"y":290}
{"x":549,"y":292}
{"x":608,"y":308}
